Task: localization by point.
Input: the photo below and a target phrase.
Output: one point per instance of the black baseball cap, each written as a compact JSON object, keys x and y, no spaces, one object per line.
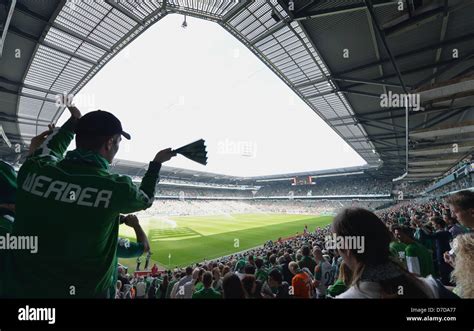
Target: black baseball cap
{"x":100,"y":123}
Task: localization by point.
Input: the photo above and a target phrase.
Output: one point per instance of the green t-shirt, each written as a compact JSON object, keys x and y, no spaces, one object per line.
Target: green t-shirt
{"x":72,"y":205}
{"x":206,"y":293}
{"x":397,"y":249}
{"x":261,"y":274}
{"x":199,"y":286}
{"x":337,"y":288}
{"x":6,"y":223}
{"x":419,"y":259}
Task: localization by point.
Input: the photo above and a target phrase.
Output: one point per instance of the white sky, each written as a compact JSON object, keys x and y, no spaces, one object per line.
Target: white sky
{"x":172,"y":86}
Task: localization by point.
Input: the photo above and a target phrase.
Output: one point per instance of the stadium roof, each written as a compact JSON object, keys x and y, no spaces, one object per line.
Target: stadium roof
{"x":57,"y":46}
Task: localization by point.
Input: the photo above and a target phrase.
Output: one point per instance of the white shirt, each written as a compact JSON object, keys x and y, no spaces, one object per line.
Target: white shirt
{"x":141,"y":288}
{"x":188,"y":290}
{"x":178,"y":288}
{"x":371,"y":290}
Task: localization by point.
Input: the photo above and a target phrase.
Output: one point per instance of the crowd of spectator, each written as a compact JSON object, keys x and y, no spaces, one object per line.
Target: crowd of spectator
{"x":457,"y":185}
{"x":342,"y":185}
{"x":168,"y":207}
{"x":184,"y":192}
{"x":427,"y":246}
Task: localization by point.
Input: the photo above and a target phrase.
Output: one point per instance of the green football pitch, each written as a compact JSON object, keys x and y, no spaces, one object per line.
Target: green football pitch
{"x":191,"y":239}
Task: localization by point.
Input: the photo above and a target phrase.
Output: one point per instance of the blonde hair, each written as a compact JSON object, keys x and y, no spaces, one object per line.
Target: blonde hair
{"x":464,"y":265}
{"x":345,"y":274}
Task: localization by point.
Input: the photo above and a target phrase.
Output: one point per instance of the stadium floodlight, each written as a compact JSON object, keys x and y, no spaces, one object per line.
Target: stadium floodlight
{"x":185,"y":24}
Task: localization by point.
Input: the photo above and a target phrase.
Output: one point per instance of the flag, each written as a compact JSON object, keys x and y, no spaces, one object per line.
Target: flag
{"x":195,"y":151}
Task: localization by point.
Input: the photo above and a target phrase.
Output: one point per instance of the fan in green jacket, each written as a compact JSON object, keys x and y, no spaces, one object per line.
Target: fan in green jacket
{"x":71,"y":204}
{"x":7,"y":210}
{"x":127,"y":249}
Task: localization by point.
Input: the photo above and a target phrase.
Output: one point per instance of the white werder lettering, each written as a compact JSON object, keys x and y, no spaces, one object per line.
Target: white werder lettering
{"x":38,"y":185}
{"x":69,"y":188}
{"x":28,"y":181}
{"x":57,"y":187}
{"x":103,"y":196}
{"x":85,"y":195}
{"x":64,"y":192}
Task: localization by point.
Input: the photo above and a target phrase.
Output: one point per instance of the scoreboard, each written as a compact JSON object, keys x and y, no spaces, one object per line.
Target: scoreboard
{"x":303,"y":180}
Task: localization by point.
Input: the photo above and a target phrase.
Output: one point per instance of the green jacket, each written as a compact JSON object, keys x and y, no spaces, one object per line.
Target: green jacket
{"x":7,"y":218}
{"x":72,"y":205}
{"x":206,"y":293}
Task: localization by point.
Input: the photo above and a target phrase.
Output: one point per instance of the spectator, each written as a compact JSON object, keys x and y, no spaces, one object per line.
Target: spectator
{"x":217,"y":280}
{"x":127,"y":291}
{"x":417,"y":258}
{"x":139,"y":262}
{"x":147,"y":260}
{"x":207,"y":292}
{"x":397,"y":248}
{"x":462,"y":205}
{"x":178,"y":287}
{"x":140,"y":289}
{"x":306,"y":261}
{"x":232,"y":287}
{"x":301,"y":282}
{"x":374,"y":275}
{"x":163,"y":288}
{"x":279,"y":289}
{"x":287,"y":275}
{"x":250,"y":287}
{"x":118,"y":289}
{"x":463,"y":274}
{"x":193,"y":285}
{"x":442,"y":239}
{"x":154,"y":269}
{"x":152,"y":289}
{"x":273,"y":262}
{"x":81,"y":189}
{"x":342,"y":283}
{"x":453,"y":225}
{"x":249,"y":269}
{"x":127,"y":249}
{"x":225,"y":270}
{"x":261,"y":273}
{"x":322,"y":273}
{"x":251,"y":260}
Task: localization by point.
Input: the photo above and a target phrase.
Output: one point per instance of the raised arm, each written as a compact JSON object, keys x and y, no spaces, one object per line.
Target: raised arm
{"x":55,"y":141}
{"x":137,"y":198}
